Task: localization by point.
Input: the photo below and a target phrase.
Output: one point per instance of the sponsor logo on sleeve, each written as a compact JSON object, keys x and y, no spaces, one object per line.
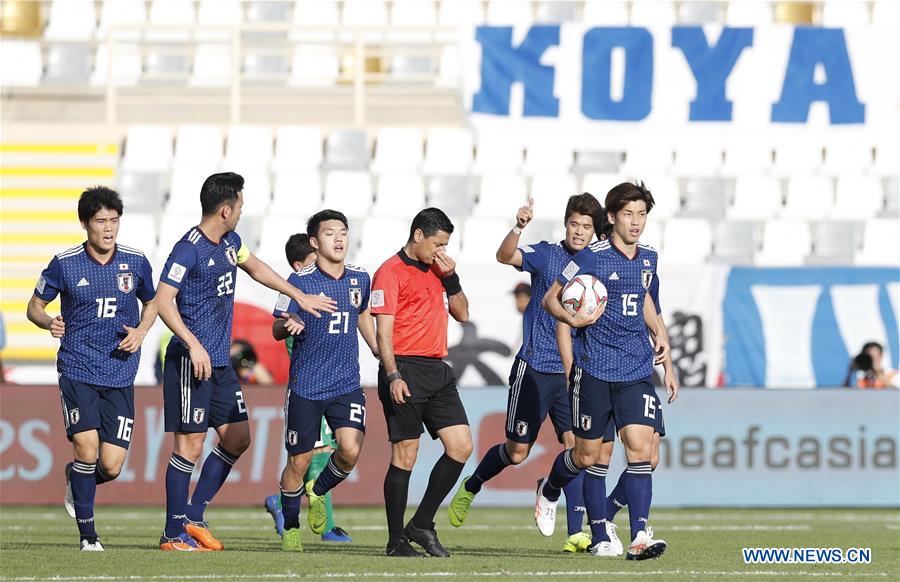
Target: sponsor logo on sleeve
{"x":570,"y":271}
{"x":283,"y":302}
{"x":41,"y":284}
{"x":526,"y":249}
{"x":176,"y":272}
{"x":377,"y":298}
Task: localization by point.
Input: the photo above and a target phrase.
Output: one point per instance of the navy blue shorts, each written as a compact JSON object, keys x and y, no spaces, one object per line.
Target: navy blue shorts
{"x":592,"y":414}
{"x":194,"y":406}
{"x":636,"y":402}
{"x":109,"y":411}
{"x":532,"y":396}
{"x":303,"y":418}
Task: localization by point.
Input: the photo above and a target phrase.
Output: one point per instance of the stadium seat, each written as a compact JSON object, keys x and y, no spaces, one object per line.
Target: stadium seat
{"x":481,"y":237}
{"x":497,"y":152}
{"x":212,"y":66}
{"x":599,"y":183}
{"x":645,"y":158}
{"x":398,"y":150}
{"x":605,"y":13}
{"x":297,"y":193}
{"x":138,"y":231}
{"x":452,"y":194}
{"x":735,"y":241}
{"x":126,"y":65}
{"x":399,"y":195}
{"x":449,"y":68}
{"x":797,"y":157}
{"x":116,"y":14}
{"x":377,"y":240}
{"x":699,"y":157}
{"x":71,"y":21}
{"x":687,"y":241}
{"x":257,"y":190}
{"x":784,"y":243}
{"x":845,"y":155}
{"x":857,"y":198}
{"x":184,"y":194}
{"x":885,"y":13}
{"x":705,"y":197}
{"x":171,"y":13}
{"x":808,"y":197}
{"x":748,"y":13}
{"x":264,"y":11}
{"x":412,"y":13}
{"x":840,"y":14}
{"x":666,"y":195}
{"x":506,"y":13}
{"x":881,"y":244}
{"x":658,"y":13}
{"x":173,"y":226}
{"x":369,"y":16}
{"x":262,"y":66}
{"x":548,"y":156}
{"x":349,"y":192}
{"x":891,"y":197}
{"x":212,"y":14}
{"x":756,"y":197}
{"x":556,"y":12}
{"x":699,"y":13}
{"x":314,"y":66}
{"x":198,"y":146}
{"x":448,"y":151}
{"x":460,"y":13}
{"x":887,"y":156}
{"x":653,"y":234}
{"x":20,"y":63}
{"x":298,"y":147}
{"x":274,"y":233}
{"x":551,"y":191}
{"x":143,"y":191}
{"x":68,"y":64}
{"x":148,"y":148}
{"x":606,"y":161}
{"x":248,"y":146}
{"x":834,"y":243}
{"x":500,"y":196}
{"x":322,"y":16}
{"x":747,"y":156}
{"x":347,"y":150}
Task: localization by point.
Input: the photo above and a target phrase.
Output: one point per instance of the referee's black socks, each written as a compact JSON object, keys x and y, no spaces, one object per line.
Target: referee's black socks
{"x":396,"y":490}
{"x":443,"y":477}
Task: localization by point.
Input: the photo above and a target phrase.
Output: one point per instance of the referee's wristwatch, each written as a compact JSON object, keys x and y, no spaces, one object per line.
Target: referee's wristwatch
{"x":394,"y":376}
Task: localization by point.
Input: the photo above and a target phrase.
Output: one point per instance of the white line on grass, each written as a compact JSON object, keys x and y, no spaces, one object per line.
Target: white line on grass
{"x":224,"y":527}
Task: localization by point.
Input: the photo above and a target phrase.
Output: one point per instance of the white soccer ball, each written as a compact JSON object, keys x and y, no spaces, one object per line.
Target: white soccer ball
{"x":583,"y":292}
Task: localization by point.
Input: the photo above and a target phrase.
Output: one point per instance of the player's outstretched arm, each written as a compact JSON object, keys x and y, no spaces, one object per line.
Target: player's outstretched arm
{"x":384,"y":332}
{"x":509,"y":253}
{"x":168,"y":312}
{"x":135,"y":335}
{"x":265,"y":275}
{"x":37,"y":314}
{"x":564,"y":342}
{"x":366,"y":326}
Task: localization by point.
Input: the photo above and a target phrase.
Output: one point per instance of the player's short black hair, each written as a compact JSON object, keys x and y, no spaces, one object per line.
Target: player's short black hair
{"x":869,"y":345}
{"x":219,"y":189}
{"x":95,"y":198}
{"x":626,"y":192}
{"x":430,"y":221}
{"x":298,"y":248}
{"x":602,"y":226}
{"x":585,"y":204}
{"x":312,"y":225}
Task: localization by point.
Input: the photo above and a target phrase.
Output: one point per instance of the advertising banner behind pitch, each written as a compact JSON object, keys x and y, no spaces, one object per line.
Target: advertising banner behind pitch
{"x":734,"y":448}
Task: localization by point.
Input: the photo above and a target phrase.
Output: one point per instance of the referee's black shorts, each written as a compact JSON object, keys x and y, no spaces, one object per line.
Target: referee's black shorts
{"x":435,"y":400}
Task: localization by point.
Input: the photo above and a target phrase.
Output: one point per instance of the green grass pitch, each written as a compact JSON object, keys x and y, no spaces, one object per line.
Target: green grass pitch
{"x":40,"y":543}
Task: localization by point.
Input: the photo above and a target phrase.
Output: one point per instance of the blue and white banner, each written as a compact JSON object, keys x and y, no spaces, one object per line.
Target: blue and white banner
{"x":573,"y":76}
{"x":800,"y":327}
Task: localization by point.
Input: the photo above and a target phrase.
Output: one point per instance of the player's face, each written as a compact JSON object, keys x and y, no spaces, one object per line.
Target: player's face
{"x":102,"y":229}
{"x":332,"y":240}
{"x":876,"y":355}
{"x":629,"y":222}
{"x":579,"y":231}
{"x":234,"y":215}
{"x":427,"y":246}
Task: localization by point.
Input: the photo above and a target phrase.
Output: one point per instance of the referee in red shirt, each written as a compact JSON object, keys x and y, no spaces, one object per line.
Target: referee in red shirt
{"x":412,"y":293}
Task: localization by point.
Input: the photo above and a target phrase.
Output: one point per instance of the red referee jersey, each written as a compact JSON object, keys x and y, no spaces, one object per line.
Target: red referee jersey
{"x":413,"y":293}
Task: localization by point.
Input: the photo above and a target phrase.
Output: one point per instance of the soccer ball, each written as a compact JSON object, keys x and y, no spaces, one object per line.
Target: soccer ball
{"x":583,"y":292}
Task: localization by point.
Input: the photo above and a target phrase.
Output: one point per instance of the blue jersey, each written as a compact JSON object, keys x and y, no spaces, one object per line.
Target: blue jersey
{"x":205,"y":274}
{"x":97,"y":301}
{"x":616,"y":348}
{"x":544,"y":261}
{"x":325,"y":357}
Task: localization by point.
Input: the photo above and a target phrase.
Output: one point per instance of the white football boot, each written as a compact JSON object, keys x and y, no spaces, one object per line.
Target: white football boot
{"x":544,"y":511}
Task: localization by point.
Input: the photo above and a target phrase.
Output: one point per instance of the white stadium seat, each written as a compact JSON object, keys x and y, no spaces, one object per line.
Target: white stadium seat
{"x":248,"y":146}
{"x":314,"y":66}
{"x":551,"y":191}
{"x":605,"y":13}
{"x":698,"y":158}
{"x":548,"y":155}
{"x":297,"y":193}
{"x":257,"y":190}
{"x":481,"y":237}
{"x":857,"y":198}
{"x":842,"y":13}
{"x":756,"y":197}
{"x":173,"y":226}
{"x":397,"y":149}
{"x":212,"y":66}
{"x":798,"y":157}
{"x":71,"y":21}
{"x":138,"y":231}
{"x":500,"y":196}
{"x":126,"y":65}
{"x":448,"y":152}
{"x":324,"y":14}
{"x":748,"y":13}
{"x":298,"y":147}
{"x":275,"y":232}
{"x":887,"y":156}
{"x":657,"y":13}
{"x":184,"y":194}
{"x":148,"y":148}
{"x":377,"y":240}
{"x":350,"y":192}
{"x":399,"y":195}
{"x":460,"y":13}
{"x":506,"y":13}
{"x":198,"y":146}
{"x":808,"y":197}
{"x":213,"y":18}
{"x":847,"y":155}
{"x":171,"y":13}
{"x":687,"y":241}
{"x":747,"y":155}
{"x":497,"y":152}
{"x":666,"y":195}
{"x":20,"y":63}
{"x":881,"y":244}
{"x":785,"y":243}
{"x":122,"y":14}
{"x":653,"y":234}
{"x":651,"y":157}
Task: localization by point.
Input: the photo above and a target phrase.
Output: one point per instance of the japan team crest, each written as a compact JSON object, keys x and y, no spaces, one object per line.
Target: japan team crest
{"x":646,"y":278}
{"x":521,"y":428}
{"x":292,"y":438}
{"x":74,"y":416}
{"x":231,"y":255}
{"x":198,"y":415}
{"x":125,"y":282}
{"x":585,"y":422}
{"x":355,"y":296}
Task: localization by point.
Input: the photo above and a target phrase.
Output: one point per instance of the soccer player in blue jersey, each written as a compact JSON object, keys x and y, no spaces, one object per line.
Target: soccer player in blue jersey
{"x":537,"y":380}
{"x":324,"y":377}
{"x":612,"y":370}
{"x":200,"y":388}
{"x":102,"y":286}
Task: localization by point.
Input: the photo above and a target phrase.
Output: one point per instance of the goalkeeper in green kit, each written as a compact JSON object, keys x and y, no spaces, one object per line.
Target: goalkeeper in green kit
{"x":301,"y":254}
